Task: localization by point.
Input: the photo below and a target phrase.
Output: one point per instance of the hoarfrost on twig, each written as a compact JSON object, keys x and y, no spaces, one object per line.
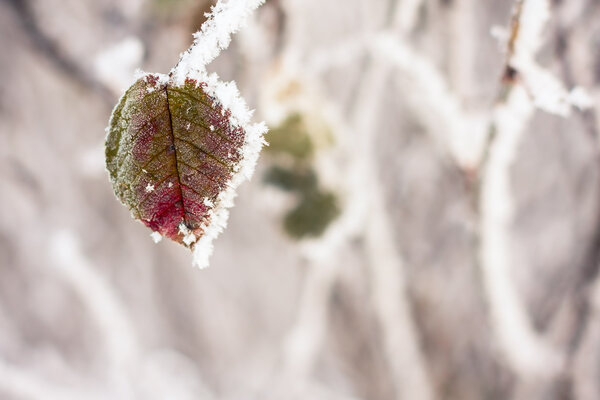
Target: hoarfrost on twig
{"x":525,"y":40}
{"x":528,"y":352}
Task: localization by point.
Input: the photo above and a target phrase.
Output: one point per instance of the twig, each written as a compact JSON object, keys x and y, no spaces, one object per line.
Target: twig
{"x":226,"y":18}
{"x":525,"y":350}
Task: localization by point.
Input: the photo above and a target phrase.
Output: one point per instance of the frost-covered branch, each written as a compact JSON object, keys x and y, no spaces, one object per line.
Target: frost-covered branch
{"x":456,"y":131}
{"x":526,"y":351}
{"x":453,"y":129}
{"x":226,"y":18}
{"x":524,"y":40}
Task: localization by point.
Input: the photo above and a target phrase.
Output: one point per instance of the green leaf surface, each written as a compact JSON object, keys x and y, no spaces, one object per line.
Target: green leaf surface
{"x":170,"y":151}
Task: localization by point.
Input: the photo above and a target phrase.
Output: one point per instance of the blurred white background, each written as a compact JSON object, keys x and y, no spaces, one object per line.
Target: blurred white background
{"x":425,"y":224}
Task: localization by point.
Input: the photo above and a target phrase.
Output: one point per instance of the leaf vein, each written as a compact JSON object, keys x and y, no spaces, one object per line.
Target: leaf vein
{"x":206,"y":152}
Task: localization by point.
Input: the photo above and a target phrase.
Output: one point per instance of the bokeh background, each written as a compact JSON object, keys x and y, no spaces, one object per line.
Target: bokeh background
{"x":403,"y":237}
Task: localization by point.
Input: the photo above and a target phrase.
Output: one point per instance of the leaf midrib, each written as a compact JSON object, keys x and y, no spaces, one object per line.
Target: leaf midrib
{"x":172,"y":132}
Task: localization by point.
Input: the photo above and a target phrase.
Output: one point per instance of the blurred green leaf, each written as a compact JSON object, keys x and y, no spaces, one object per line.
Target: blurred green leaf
{"x":312,"y":215}
{"x":291,"y":137}
{"x":291,"y":179}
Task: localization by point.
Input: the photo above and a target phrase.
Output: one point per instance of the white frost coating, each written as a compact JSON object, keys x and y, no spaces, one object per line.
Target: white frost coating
{"x":549,"y":93}
{"x":188,"y":237}
{"x":215,"y":35}
{"x":527,"y":352}
{"x":253,"y":143}
{"x":532,"y":22}
{"x":161,"y":79}
{"x":580,"y":98}
{"x":157,"y":237}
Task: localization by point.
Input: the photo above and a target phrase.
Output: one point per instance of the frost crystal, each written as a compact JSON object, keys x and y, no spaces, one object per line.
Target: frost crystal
{"x":548,"y":92}
{"x":157,"y":237}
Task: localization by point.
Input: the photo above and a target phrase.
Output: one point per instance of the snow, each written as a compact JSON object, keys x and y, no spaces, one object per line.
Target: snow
{"x":548,"y":92}
{"x":253,"y":143}
{"x":188,"y":237}
{"x":525,"y":350}
{"x":225,"y":19}
{"x":161,"y":79}
{"x":149,"y":188}
{"x":535,"y":14}
{"x":580,"y":98}
{"x":157,"y":237}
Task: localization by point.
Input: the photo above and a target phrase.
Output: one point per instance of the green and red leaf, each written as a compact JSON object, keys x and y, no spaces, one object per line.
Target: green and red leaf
{"x":170,"y":151}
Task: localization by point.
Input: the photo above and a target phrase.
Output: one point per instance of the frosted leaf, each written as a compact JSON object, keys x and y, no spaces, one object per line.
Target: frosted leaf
{"x":165,"y":173}
{"x":179,"y":145}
